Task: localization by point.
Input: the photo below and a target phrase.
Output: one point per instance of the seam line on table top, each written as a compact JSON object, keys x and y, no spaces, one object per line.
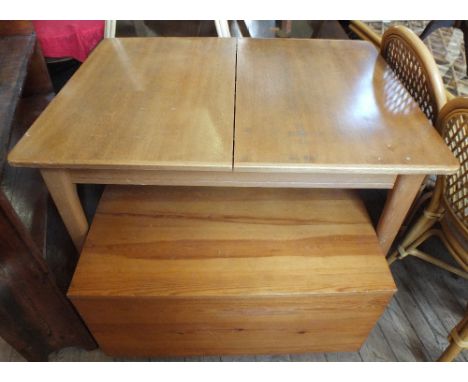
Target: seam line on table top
{"x":234,"y":119}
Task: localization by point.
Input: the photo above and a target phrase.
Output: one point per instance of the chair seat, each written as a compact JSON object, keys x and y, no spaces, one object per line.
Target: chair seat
{"x":187,"y":271}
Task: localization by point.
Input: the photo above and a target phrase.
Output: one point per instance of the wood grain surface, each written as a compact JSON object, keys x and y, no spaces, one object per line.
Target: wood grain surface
{"x":327,"y":105}
{"x":35,"y":316}
{"x":141,"y":102}
{"x":399,"y":201}
{"x":139,"y":327}
{"x":168,"y":103}
{"x":65,"y":196}
{"x":15,"y":52}
{"x":175,"y":270}
{"x":232,"y":179}
{"x":158,"y":237}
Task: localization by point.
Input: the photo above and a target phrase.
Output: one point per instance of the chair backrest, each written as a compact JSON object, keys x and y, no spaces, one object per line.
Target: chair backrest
{"x":453,"y":126}
{"x":415,"y":67}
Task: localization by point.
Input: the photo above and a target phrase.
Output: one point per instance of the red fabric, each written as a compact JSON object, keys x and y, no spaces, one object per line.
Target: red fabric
{"x":69,"y":38}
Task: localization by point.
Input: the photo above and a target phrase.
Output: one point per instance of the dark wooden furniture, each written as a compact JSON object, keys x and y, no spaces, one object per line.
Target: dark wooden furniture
{"x":328,"y":29}
{"x":35,"y":316}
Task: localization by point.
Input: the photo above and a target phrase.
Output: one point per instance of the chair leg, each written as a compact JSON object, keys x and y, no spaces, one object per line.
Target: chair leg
{"x":452,"y":251}
{"x":450,"y":353}
{"x":412,"y":250}
{"x":408,"y":249}
{"x":422,"y":198}
{"x":464,"y":28}
{"x":458,"y":341}
{"x":433,"y":25}
{"x":317,"y":28}
{"x":438,"y":263}
{"x":424,"y":223}
{"x":393,"y":257}
{"x":244,"y":29}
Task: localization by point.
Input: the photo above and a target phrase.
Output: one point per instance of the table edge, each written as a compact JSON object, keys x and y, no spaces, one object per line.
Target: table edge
{"x":307,"y":168}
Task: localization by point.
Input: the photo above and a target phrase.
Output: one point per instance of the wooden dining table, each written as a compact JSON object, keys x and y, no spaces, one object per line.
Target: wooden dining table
{"x":294,"y":113}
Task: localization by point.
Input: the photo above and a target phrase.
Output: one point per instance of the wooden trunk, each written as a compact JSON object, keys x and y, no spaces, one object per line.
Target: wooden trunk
{"x":199,"y":271}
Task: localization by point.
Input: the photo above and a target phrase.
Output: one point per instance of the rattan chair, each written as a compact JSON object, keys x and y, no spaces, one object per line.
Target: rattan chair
{"x":415,"y":67}
{"x":449,"y":203}
{"x":458,"y":340}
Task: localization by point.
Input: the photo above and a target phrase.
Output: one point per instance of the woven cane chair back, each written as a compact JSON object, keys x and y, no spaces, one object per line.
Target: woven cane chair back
{"x":453,"y":126}
{"x":415,"y":67}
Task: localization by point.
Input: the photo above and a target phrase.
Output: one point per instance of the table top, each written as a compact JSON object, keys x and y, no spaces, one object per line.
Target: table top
{"x":299,"y":105}
{"x":165,"y":103}
{"x":331,"y":105}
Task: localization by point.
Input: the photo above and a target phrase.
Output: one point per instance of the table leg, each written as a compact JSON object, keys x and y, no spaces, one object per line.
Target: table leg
{"x":398,"y":203}
{"x":65,"y":196}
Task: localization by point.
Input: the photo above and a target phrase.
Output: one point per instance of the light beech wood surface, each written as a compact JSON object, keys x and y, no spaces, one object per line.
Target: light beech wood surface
{"x":328,"y":105}
{"x":148,"y":103}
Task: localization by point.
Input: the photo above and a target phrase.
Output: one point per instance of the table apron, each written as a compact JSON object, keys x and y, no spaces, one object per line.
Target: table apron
{"x":231,"y":179}
{"x":62,"y":186}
